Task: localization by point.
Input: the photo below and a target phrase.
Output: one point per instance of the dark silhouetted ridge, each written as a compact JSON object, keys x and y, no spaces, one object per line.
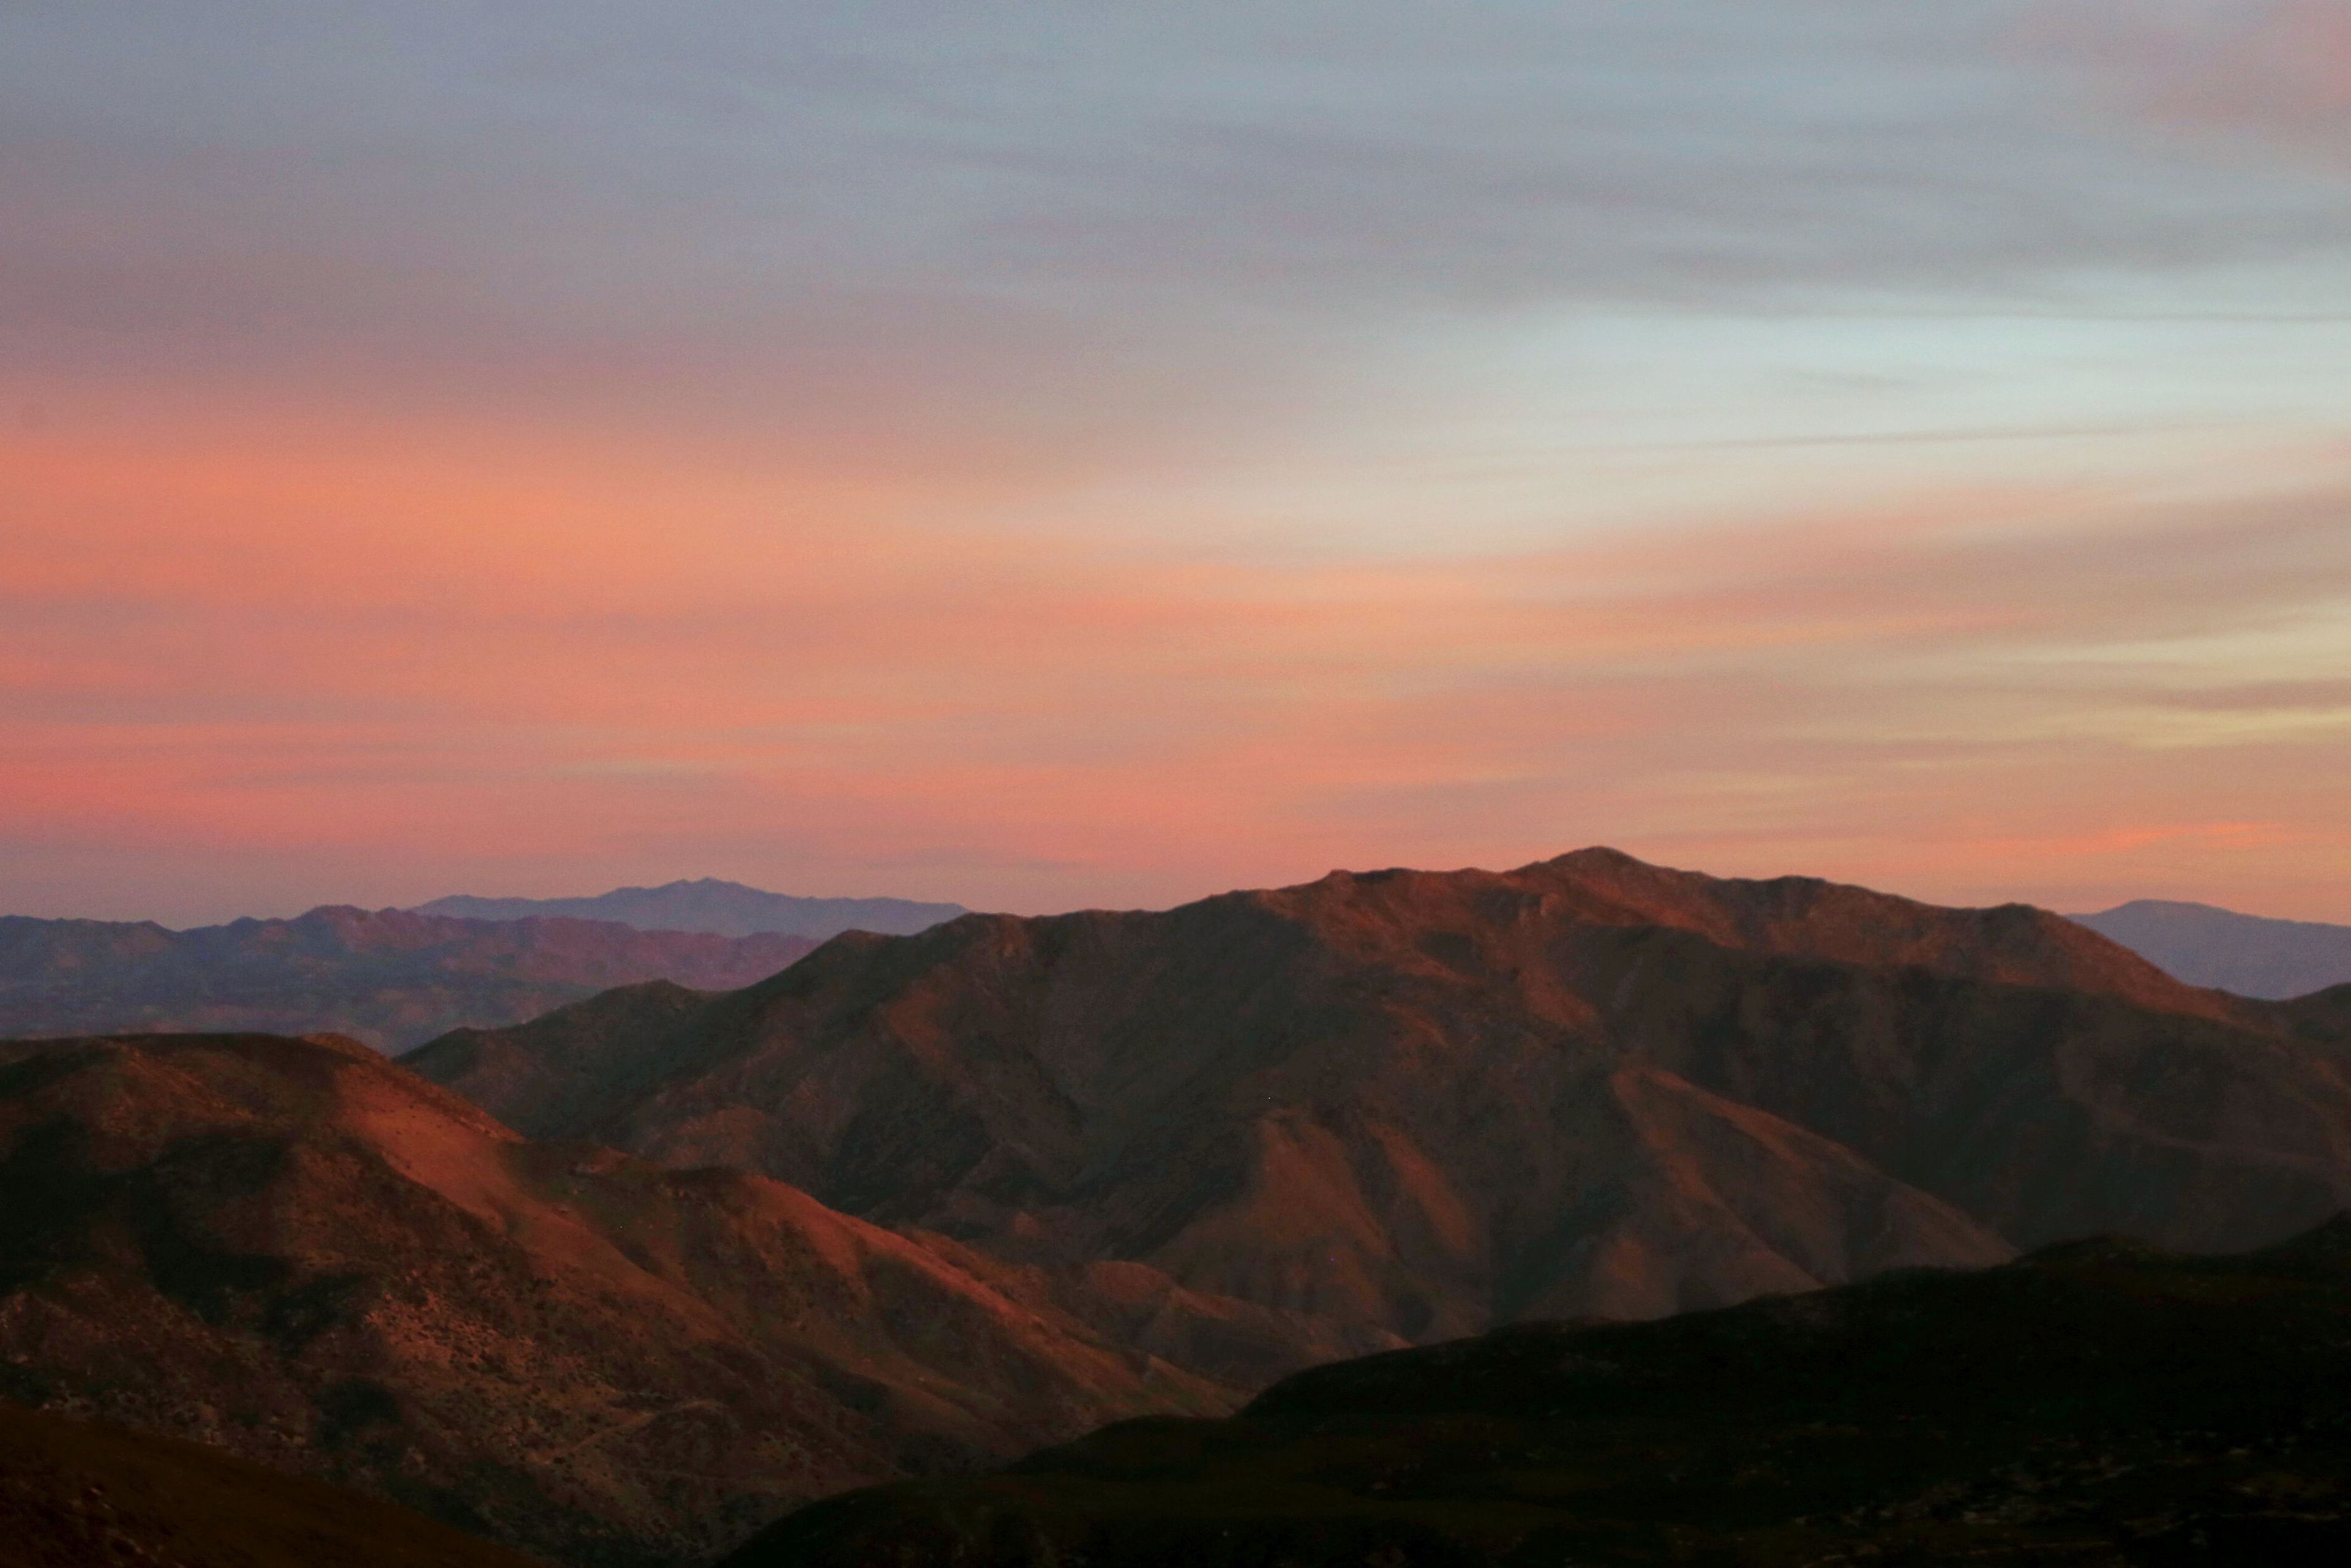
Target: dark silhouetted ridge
{"x":2100,"y":1404}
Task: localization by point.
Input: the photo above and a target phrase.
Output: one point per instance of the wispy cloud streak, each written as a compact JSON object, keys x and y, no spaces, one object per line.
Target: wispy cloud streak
{"x":1082,"y":454}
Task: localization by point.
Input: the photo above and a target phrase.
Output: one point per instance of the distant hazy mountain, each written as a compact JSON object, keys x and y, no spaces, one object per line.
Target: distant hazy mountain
{"x":2246,"y":954}
{"x":728,"y":908}
{"x":390,"y":976}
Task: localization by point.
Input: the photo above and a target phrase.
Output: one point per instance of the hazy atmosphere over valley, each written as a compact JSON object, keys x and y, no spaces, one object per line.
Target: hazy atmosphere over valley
{"x":1289,"y":786}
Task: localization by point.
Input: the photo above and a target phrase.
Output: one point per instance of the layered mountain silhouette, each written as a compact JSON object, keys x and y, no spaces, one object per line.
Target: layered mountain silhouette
{"x":77,"y":1493}
{"x":1430,"y":1104}
{"x":728,"y":908}
{"x":388,"y":976}
{"x":2247,"y":954}
{"x":2099,"y":1405}
{"x":298,"y":1252}
{"x":670,"y":1263}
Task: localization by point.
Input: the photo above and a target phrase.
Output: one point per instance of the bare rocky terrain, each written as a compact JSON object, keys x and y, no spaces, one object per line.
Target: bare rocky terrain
{"x":622,"y":1283}
{"x":300,"y":1254}
{"x":1433,"y":1102}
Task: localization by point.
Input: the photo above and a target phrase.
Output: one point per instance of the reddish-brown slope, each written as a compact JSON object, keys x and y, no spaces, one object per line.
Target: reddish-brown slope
{"x":1802,"y":916}
{"x":2046,"y":1113}
{"x":298,"y":1252}
{"x":76,"y":1493}
{"x":1436,"y":1101}
{"x":388,"y":976}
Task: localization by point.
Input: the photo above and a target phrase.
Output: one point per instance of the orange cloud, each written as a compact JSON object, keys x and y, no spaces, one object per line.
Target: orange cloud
{"x":387,"y":671}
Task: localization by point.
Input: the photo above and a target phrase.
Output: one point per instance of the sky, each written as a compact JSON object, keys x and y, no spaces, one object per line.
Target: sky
{"x":1054,"y":454}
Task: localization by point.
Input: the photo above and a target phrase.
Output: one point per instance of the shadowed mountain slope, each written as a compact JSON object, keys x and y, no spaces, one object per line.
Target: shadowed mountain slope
{"x":2246,"y":954}
{"x":728,"y":908}
{"x":2098,"y":1405}
{"x":386,"y":977}
{"x":298,"y":1252}
{"x":1438,"y":1101}
{"x":74,"y":1493}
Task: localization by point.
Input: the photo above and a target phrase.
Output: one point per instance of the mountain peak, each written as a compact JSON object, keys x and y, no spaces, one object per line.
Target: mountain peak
{"x":2015,"y":943}
{"x":2249,"y":955}
{"x":711,"y":904}
{"x":1430,"y":1102}
{"x":1596,"y":854}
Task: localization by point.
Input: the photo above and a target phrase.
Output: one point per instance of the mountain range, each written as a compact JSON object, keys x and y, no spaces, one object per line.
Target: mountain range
{"x":1433,"y":1103}
{"x":397,"y":979}
{"x":621,"y":1283}
{"x":2247,"y":954}
{"x":390,"y":978}
{"x":728,"y":908}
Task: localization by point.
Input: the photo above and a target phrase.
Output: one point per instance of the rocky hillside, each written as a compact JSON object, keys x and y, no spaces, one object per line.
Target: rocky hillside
{"x":78,"y":1494}
{"x":388,"y":978}
{"x":296,"y":1252}
{"x":1433,"y":1102}
{"x":2098,"y":1405}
